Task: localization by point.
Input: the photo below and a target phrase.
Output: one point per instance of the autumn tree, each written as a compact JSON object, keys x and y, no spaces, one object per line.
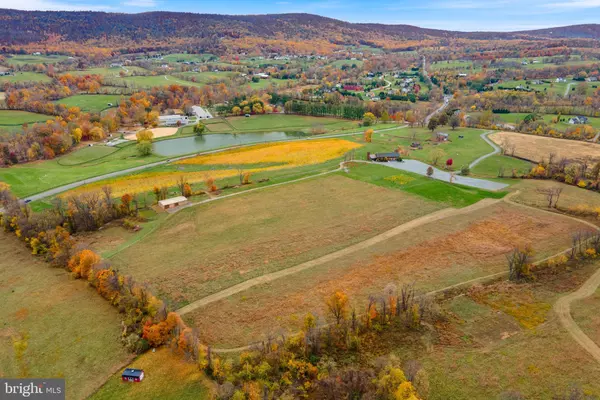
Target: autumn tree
{"x":436,"y":155}
{"x":369,"y":119}
{"x":432,"y":124}
{"x":199,"y":128}
{"x":368,"y":135}
{"x":454,"y":121}
{"x":338,"y":306}
{"x":144,"y":135}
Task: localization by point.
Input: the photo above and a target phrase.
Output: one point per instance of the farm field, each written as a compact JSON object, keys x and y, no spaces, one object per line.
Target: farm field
{"x":505,"y":337}
{"x":167,"y":377}
{"x":275,"y":122}
{"x":585,"y":314}
{"x":181,"y":57}
{"x":348,"y":63}
{"x":458,"y":248}
{"x":263,"y":234}
{"x":112,"y":72}
{"x":537,"y":148}
{"x":36,"y":177}
{"x":73,"y":332}
{"x":571,"y":196}
{"x":206,"y":77}
{"x":31,"y":59}
{"x":15,"y":117}
{"x":91,"y":102}
{"x":252,"y":159}
{"x":264,"y":83}
{"x":25,"y":77}
{"x":547,"y":85}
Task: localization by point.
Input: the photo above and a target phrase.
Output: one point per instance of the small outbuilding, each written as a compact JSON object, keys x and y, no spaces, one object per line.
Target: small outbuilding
{"x":132,"y":375}
{"x":384,"y":157}
{"x":173,"y":202}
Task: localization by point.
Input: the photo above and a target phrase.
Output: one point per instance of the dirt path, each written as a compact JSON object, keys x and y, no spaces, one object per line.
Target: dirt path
{"x":567,"y":89}
{"x":563,"y":308}
{"x":436,"y":216}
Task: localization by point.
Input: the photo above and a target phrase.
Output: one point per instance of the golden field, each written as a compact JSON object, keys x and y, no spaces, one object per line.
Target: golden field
{"x":294,"y":154}
{"x":287,"y":155}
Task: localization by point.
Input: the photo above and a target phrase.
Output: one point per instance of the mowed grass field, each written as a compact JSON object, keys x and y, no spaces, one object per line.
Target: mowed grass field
{"x":274,"y":123}
{"x":490,"y":167}
{"x":571,"y":196}
{"x":31,"y":59}
{"x":434,"y":256}
{"x":39,"y":176}
{"x":585,"y":314}
{"x":514,"y":118}
{"x":15,"y":117}
{"x":91,"y":102}
{"x":167,"y":376}
{"x":73,"y":332}
{"x":25,"y":77}
{"x":266,"y":231}
{"x":538,"y":148}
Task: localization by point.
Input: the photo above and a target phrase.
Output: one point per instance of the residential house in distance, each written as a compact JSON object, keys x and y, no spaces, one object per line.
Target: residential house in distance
{"x":560,"y":80}
{"x":578,"y":120}
{"x":592,"y":79}
{"x":132,"y":375}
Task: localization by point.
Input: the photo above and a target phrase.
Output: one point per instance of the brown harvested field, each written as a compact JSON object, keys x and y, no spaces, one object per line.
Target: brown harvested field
{"x":204,"y":249}
{"x":571,"y":196}
{"x":434,"y":256}
{"x":73,"y":332}
{"x":538,"y":148}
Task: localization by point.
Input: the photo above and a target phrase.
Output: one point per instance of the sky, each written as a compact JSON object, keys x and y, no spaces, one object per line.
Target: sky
{"x":462,"y":15}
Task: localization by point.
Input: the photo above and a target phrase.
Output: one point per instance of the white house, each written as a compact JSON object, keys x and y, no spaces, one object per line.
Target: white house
{"x":262,"y":75}
{"x":171,"y":120}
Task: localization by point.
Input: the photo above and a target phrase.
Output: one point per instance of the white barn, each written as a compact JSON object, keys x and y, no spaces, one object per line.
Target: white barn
{"x":171,"y":120}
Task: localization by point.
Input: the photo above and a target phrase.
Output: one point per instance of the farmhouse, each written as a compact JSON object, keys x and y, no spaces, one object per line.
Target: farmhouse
{"x":132,"y":375}
{"x":171,"y":120}
{"x":441,"y":137}
{"x":173,"y":202}
{"x":578,"y":120}
{"x":384,"y":157}
{"x":262,"y":75}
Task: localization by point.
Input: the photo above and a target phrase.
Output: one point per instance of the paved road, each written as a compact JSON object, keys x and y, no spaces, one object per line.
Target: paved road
{"x":484,"y":136}
{"x":563,"y":308}
{"x":420,"y":168}
{"x":64,"y":188}
{"x":446,"y":101}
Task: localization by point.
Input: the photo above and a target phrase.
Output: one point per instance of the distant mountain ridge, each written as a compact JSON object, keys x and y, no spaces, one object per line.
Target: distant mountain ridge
{"x":21,"y":27}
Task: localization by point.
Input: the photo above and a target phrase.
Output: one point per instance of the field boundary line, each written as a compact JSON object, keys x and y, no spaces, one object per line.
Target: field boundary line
{"x":417,"y":222}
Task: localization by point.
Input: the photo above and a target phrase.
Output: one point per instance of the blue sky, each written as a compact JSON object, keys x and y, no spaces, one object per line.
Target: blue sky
{"x":464,"y":15}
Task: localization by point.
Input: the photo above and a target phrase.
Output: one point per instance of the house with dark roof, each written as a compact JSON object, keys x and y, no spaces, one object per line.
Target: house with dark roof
{"x":580,"y":119}
{"x":132,"y":375}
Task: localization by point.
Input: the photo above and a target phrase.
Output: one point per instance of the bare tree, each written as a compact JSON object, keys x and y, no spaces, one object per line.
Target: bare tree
{"x":518,"y":264}
{"x":552,"y":195}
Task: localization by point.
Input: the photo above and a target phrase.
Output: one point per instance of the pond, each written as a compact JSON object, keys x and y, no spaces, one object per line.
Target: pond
{"x":193,"y":144}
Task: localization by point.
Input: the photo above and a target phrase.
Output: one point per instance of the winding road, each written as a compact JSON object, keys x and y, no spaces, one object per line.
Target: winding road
{"x":484,"y":136}
{"x":563,"y":308}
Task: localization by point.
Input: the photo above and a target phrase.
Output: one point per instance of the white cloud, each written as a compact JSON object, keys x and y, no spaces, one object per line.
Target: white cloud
{"x":49,"y":5}
{"x":141,"y":3}
{"x":579,"y":4}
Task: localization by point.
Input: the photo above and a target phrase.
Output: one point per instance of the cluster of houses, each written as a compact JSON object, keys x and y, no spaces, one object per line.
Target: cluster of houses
{"x":578,"y":120}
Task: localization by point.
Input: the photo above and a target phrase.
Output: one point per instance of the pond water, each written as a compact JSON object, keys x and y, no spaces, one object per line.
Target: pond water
{"x":192,"y":144}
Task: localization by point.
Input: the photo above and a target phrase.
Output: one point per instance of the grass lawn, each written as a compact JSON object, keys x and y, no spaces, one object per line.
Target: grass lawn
{"x":181,"y":57}
{"x":206,"y":77}
{"x":25,"y":77}
{"x":15,"y":117}
{"x":91,"y":102}
{"x":31,"y":59}
{"x":514,"y":118}
{"x":73,"y":332}
{"x":432,"y":189}
{"x":86,"y":155}
{"x":462,"y":151}
{"x":491,"y":166}
{"x":263,"y":234}
{"x":264,"y":83}
{"x":433,"y":256}
{"x":166,"y":376}
{"x":547,"y":85}
{"x":585,"y":314}
{"x":112,"y":72}
{"x":31,"y":178}
{"x":349,"y":63}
